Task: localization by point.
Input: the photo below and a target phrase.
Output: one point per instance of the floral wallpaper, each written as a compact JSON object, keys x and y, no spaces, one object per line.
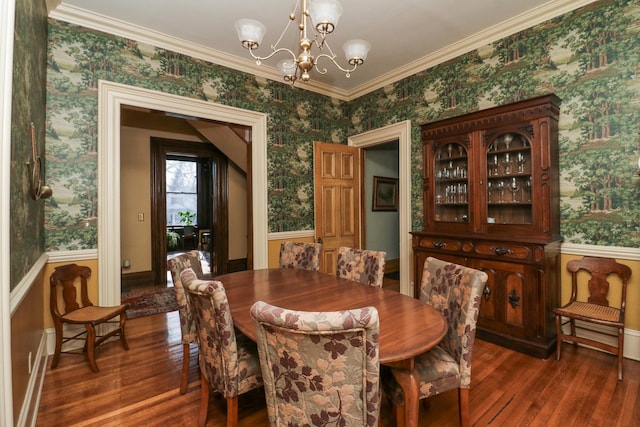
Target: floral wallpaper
{"x":589,"y":57}
{"x":28,"y":106}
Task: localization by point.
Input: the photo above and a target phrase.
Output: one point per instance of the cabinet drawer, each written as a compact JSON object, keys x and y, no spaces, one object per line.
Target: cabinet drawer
{"x":505,"y":251}
{"x":438,"y":243}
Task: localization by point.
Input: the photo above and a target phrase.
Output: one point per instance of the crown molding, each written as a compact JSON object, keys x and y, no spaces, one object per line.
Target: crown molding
{"x":84,"y":18}
{"x":513,"y":25}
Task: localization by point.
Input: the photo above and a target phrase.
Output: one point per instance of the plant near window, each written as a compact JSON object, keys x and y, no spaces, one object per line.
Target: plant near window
{"x":187,"y":217}
{"x":172,"y":239}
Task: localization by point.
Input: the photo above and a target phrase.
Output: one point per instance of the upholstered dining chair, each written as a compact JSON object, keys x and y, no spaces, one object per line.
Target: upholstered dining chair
{"x":70,"y":310}
{"x":361,"y":265}
{"x":229,"y":363}
{"x":319,"y":368}
{"x":176,"y":266}
{"x":303,"y":256}
{"x":594,"y":309}
{"x":455,"y":291}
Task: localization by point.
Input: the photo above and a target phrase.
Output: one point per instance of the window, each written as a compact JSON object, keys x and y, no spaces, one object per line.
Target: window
{"x":182,"y":189}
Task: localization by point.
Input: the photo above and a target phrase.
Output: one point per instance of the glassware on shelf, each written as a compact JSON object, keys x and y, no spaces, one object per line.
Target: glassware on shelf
{"x":529,"y":189}
{"x":521,"y":160}
{"x":514,"y":188}
{"x":450,"y":149}
{"x":494,"y":163}
{"x":501,"y":191}
{"x":506,"y":164}
{"x":489,"y":190}
{"x":507,"y":140}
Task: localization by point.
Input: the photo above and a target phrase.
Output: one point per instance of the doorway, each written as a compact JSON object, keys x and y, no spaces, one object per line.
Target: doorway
{"x":402,"y":133}
{"x":111,"y":97}
{"x":208,"y":189}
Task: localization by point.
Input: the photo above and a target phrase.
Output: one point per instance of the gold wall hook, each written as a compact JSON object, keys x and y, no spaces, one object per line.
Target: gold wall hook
{"x":36,"y":189}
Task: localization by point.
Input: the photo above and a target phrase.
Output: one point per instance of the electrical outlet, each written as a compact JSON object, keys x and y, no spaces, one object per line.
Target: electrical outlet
{"x":140,"y":217}
{"x":29,"y":363}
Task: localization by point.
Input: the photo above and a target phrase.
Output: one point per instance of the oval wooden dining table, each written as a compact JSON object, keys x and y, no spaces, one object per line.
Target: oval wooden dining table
{"x":408,"y":326}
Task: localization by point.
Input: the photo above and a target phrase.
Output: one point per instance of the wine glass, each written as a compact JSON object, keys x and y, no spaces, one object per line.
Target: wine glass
{"x":450,"y":149}
{"x":489,"y":190}
{"x":529,"y":188}
{"x":501,"y":191}
{"x":514,"y":187}
{"x":506,"y":163}
{"x":521,"y":160}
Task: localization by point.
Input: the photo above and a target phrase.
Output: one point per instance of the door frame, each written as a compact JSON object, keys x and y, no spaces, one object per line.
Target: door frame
{"x":402,"y":133}
{"x":111,"y":96}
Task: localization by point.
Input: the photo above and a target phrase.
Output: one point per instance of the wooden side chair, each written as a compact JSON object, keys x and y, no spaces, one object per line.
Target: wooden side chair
{"x":304,"y":256}
{"x":319,"y":368}
{"x":455,"y":291}
{"x":176,"y":266}
{"x":229,"y":363}
{"x":70,"y":310}
{"x":595,"y":310}
{"x":361,"y":265}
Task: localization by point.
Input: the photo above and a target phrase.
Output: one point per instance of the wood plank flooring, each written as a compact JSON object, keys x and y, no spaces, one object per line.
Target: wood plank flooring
{"x":139,"y":387}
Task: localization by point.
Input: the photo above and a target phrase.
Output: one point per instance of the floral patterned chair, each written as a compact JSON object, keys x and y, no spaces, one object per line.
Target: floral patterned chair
{"x":176,"y":266}
{"x":229,"y":363}
{"x":455,"y":291}
{"x":361,"y":265}
{"x":304,"y":256}
{"x":320,"y":368}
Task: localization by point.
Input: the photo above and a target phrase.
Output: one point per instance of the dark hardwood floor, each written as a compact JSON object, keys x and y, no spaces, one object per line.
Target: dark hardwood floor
{"x":139,"y":387}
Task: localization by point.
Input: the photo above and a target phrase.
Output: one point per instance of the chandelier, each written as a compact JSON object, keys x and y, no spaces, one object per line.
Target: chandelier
{"x":323,"y":15}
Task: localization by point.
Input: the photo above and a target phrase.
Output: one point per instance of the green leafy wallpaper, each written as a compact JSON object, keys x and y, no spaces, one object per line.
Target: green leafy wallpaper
{"x":589,"y":57}
{"x":28,"y":105}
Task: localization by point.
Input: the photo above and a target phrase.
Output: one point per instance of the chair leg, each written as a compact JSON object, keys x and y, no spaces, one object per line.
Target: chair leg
{"x":399,"y":410}
{"x":558,"y":337}
{"x":204,"y":401}
{"x":572,"y":322}
{"x":463,"y":407}
{"x":232,"y":411}
{"x":123,"y":338}
{"x":91,"y":346}
{"x":186,"y":354}
{"x":620,"y":352}
{"x":56,"y":355}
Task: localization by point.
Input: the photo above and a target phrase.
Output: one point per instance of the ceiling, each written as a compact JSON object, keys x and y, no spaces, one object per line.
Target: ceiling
{"x":406,"y":35}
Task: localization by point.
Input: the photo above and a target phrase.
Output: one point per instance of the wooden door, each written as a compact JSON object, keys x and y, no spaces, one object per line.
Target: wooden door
{"x":337,"y":174}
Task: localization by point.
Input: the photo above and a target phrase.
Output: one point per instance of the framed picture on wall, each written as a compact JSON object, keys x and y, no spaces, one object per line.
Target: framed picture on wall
{"x":385,"y":194}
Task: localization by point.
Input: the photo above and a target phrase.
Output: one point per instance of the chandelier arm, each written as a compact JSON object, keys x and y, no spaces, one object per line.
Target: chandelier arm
{"x":263,"y":58}
{"x":332,"y":59}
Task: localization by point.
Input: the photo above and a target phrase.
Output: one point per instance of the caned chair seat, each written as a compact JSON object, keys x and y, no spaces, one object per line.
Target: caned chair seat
{"x":93,"y":314}
{"x":589,"y":304}
{"x":593,"y":312}
{"x":69,"y":303}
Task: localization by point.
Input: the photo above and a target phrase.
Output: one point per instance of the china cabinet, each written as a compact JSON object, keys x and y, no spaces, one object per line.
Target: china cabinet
{"x":491,"y":202}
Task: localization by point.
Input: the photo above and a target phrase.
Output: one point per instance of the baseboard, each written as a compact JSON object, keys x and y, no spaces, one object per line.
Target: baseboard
{"x":631,"y":339}
{"x":392,"y":266}
{"x":132,"y":280}
{"x":29,"y":412}
{"x":236,"y":265}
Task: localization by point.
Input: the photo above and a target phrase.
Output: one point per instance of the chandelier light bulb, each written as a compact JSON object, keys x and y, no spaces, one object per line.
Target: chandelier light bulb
{"x":356,"y":51}
{"x":325,"y":15}
{"x":250,"y":32}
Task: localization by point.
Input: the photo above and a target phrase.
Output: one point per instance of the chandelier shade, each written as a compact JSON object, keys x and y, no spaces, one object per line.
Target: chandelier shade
{"x":316,"y":20}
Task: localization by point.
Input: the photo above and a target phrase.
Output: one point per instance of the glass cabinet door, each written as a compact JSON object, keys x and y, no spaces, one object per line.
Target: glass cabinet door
{"x":451,"y":171}
{"x":509,"y":180}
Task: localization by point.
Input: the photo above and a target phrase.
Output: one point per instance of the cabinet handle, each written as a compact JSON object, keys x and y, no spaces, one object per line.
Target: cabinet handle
{"x":438,"y":244}
{"x":487,"y":292}
{"x":501,"y":250}
{"x":514,"y":299}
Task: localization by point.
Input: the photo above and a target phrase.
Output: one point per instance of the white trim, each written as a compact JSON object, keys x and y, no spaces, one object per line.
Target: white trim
{"x":617,"y":252}
{"x":31,"y":404}
{"x":111,"y":96}
{"x":28,"y":281}
{"x":402,"y":132}
{"x":7,"y":22}
{"x":286,"y":235}
{"x":73,"y":256}
{"x":545,"y":12}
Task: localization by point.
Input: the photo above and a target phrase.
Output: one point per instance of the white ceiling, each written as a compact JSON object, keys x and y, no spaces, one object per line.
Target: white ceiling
{"x":406,"y":35}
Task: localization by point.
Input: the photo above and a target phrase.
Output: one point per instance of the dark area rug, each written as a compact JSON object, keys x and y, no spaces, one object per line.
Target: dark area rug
{"x":150,"y":301}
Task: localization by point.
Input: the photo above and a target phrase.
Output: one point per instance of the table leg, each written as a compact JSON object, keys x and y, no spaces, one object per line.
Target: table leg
{"x":409,"y":383}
